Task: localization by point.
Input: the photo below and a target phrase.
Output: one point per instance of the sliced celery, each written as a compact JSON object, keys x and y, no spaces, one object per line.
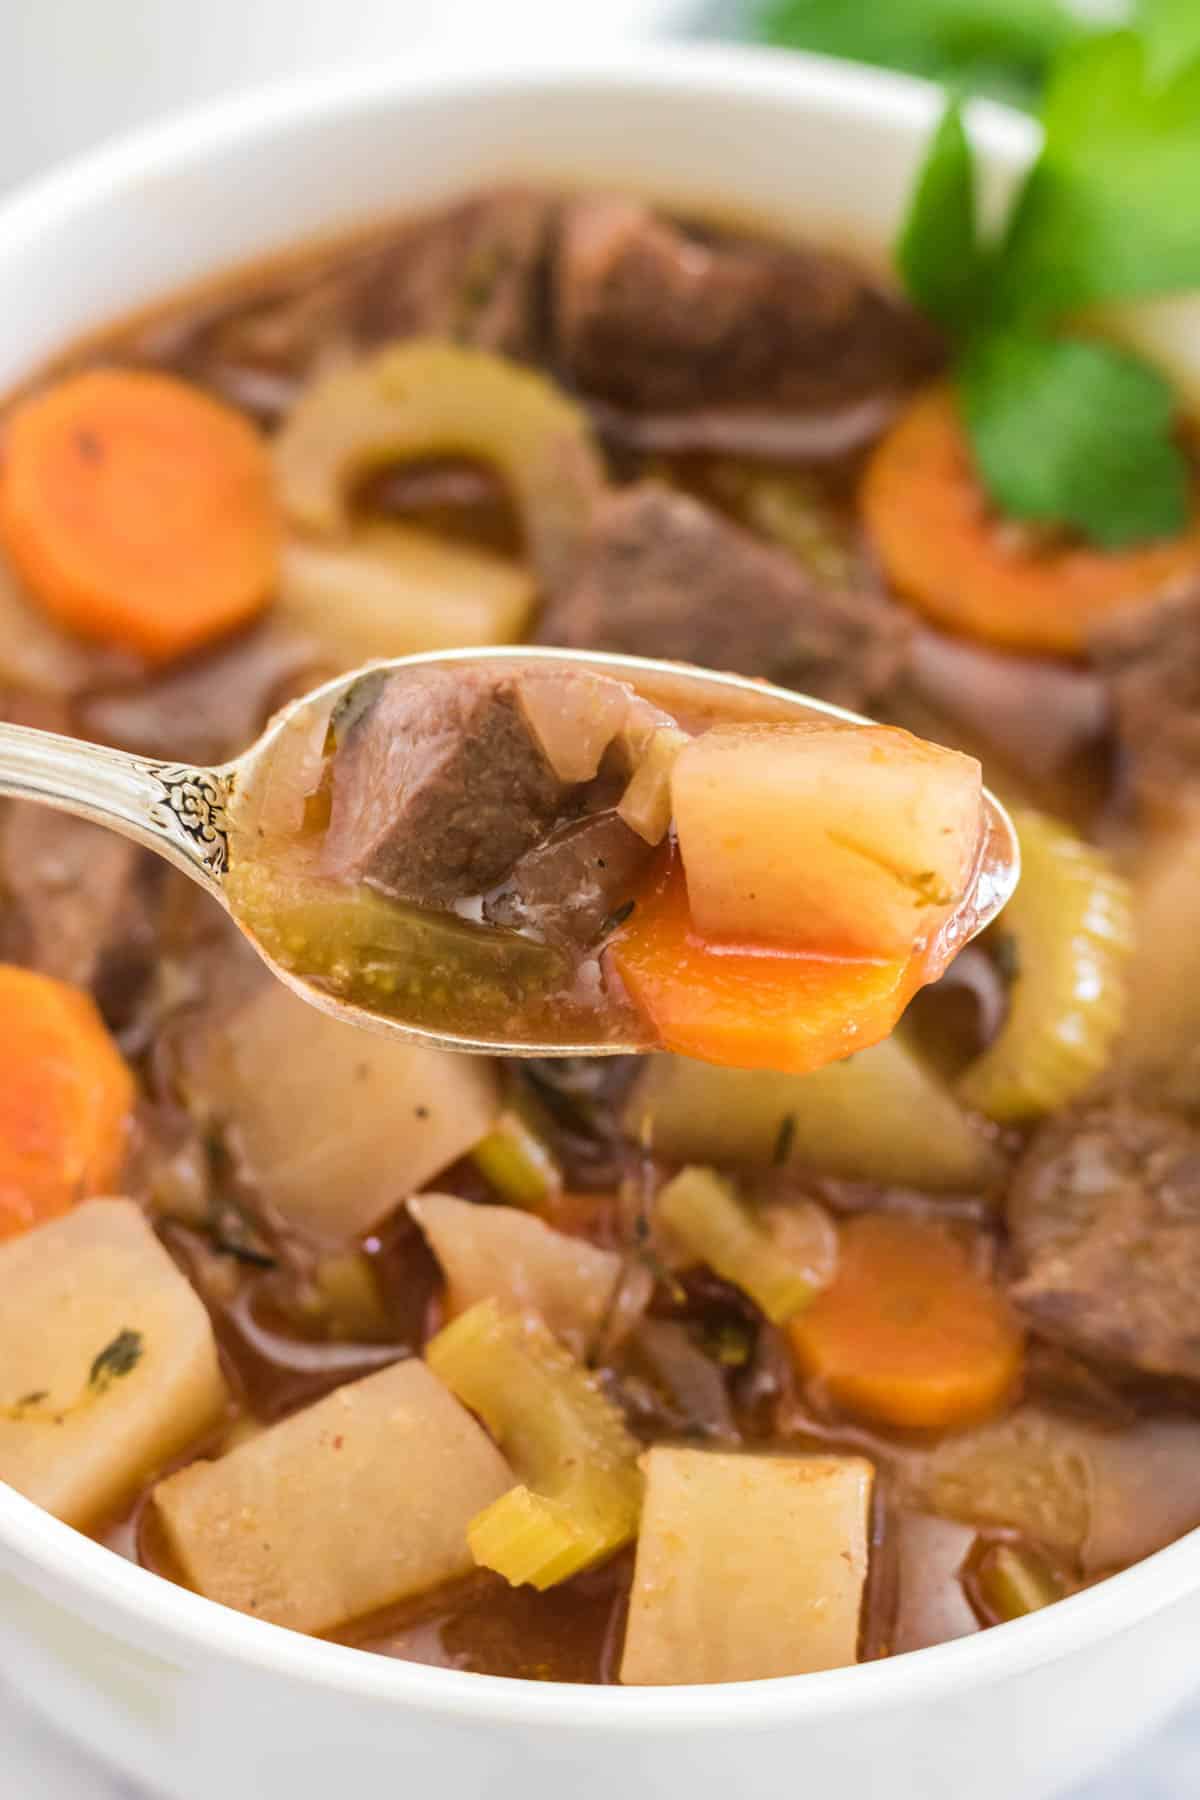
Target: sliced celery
{"x":1069,"y":928}
{"x":704,"y":1215}
{"x":1014,"y":1579}
{"x":517,"y":1162}
{"x":431,"y":968}
{"x":581,"y":1490}
{"x":430,"y":398}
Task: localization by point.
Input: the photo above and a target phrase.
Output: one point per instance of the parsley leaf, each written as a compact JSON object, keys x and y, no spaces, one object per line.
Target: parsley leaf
{"x":1075,"y":433}
{"x":1002,"y":48}
{"x":1170,"y":31}
{"x":1108,"y":211}
{"x":938,"y":252}
{"x":116,"y":1359}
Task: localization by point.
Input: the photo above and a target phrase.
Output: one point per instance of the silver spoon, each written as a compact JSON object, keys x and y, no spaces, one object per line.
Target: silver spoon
{"x":183,"y":813}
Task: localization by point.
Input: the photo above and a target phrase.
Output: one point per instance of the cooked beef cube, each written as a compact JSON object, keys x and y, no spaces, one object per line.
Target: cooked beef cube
{"x":81,"y":904}
{"x":664,"y":575}
{"x":1150,"y":656}
{"x":1105,"y":1221}
{"x":438,"y":787}
{"x":655,"y":318}
{"x":574,"y":885}
{"x":475,"y":272}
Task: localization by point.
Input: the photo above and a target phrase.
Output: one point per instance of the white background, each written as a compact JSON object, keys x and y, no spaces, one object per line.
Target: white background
{"x":74,"y":71}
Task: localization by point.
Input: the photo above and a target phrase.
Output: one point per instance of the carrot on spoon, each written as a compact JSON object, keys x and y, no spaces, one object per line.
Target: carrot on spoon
{"x":139,"y":512}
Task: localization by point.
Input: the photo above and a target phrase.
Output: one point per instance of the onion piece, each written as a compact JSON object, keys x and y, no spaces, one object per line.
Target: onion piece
{"x":574,"y":715}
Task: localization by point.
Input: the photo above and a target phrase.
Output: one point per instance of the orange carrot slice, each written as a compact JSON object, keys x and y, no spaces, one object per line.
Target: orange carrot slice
{"x":944,"y":549}
{"x":909,"y":1333}
{"x":138,"y":511}
{"x":751,"y":1007}
{"x":66,"y":1095}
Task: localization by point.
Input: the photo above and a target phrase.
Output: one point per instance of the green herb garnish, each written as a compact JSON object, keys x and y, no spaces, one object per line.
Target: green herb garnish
{"x":1068,"y":431}
{"x":1002,"y":48}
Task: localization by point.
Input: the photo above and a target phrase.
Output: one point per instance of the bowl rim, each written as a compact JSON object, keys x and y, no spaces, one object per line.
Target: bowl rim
{"x":117,"y":1594}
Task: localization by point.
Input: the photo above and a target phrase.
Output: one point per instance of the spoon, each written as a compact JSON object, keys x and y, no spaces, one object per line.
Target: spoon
{"x":182,"y":812}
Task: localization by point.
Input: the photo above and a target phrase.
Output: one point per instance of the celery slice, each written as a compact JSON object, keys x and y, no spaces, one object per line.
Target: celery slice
{"x":704,"y":1215}
{"x":518,"y":1163}
{"x":425,"y":966}
{"x":1013,"y":1580}
{"x":580,"y":1492}
{"x":1070,"y":925}
{"x":430,"y":398}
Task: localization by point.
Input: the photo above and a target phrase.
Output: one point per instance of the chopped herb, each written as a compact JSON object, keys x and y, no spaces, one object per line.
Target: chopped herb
{"x":34,"y":1399}
{"x":116,"y":1359}
{"x":784,"y":1139}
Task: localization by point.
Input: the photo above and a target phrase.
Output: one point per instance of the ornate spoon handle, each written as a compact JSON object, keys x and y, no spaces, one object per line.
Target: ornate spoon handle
{"x":171,"y":808}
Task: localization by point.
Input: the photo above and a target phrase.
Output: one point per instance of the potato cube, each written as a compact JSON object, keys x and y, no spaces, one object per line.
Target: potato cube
{"x":348,"y":1505}
{"x":496,"y":1252}
{"x":843,"y":839}
{"x":337,"y":1127}
{"x":747,"y":1566}
{"x":108,"y":1366}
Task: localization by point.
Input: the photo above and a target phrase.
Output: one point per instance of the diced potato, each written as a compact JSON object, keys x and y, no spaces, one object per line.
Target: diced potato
{"x":747,"y":1566}
{"x":339,"y":1126}
{"x":108,"y":1365}
{"x":349,"y":1505}
{"x":391,"y":590}
{"x":834,"y":838}
{"x":879,"y":1116}
{"x":494,"y":1252}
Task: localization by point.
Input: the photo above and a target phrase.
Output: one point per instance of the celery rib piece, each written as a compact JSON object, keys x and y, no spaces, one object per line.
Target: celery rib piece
{"x":518,"y":1163}
{"x":705,"y":1216}
{"x":580,"y":1489}
{"x":1071,"y":926}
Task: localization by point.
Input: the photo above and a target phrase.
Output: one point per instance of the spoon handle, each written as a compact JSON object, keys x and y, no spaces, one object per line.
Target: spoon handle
{"x":174,"y":809}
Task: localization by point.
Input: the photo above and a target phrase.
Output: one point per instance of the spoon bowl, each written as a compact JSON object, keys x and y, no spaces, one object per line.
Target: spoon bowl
{"x":188,"y":814}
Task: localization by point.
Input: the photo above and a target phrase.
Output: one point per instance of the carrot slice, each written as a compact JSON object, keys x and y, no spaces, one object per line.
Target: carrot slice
{"x":65,"y":1099}
{"x":138,"y":511}
{"x":909,"y":1333}
{"x":954,"y":559}
{"x":751,"y":1007}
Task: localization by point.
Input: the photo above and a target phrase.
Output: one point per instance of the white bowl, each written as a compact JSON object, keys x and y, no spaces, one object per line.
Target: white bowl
{"x":201,"y":1702}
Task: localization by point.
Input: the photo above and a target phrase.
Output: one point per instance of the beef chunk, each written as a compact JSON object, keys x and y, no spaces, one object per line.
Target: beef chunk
{"x":81,"y":904}
{"x":1149,"y":655}
{"x":663,"y":575}
{"x":570,"y":887}
{"x":1105,"y":1221}
{"x":438,"y":787}
{"x":475,"y":272}
{"x":689,"y":328}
